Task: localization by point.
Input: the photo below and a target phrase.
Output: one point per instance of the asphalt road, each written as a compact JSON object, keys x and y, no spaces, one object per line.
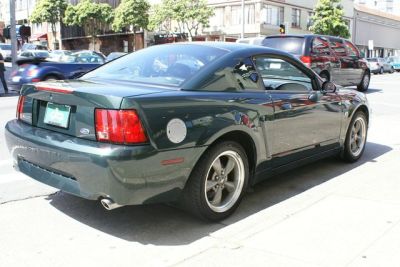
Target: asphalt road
{"x":324,"y":214}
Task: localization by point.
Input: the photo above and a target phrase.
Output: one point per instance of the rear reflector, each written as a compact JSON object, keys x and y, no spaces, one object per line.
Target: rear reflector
{"x":306,"y":60}
{"x":20,"y":106}
{"x":119,"y":126}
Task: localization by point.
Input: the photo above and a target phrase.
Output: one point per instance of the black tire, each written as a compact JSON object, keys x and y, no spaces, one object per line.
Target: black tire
{"x":196,"y":197}
{"x":381,"y":71}
{"x":364,"y":83}
{"x":51,"y":78}
{"x":351,"y":150}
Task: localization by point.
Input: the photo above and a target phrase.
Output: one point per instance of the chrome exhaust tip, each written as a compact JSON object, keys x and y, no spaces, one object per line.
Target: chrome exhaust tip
{"x":109,"y":204}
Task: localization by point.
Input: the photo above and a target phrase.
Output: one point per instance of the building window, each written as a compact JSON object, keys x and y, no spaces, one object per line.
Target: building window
{"x":218,"y":18}
{"x":296,"y":17}
{"x":236,"y":14}
{"x":347,"y":22}
{"x":273,"y":15}
{"x":310,"y":21}
{"x":249,"y":14}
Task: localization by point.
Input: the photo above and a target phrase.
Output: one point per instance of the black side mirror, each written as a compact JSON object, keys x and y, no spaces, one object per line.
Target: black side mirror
{"x":328,"y":87}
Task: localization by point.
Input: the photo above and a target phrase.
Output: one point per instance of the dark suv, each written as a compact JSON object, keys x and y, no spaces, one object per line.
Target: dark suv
{"x":334,"y":59}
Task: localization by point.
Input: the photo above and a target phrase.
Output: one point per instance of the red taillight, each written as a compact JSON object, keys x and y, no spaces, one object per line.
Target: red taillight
{"x":306,"y":60}
{"x":20,"y":106}
{"x":119,"y":126}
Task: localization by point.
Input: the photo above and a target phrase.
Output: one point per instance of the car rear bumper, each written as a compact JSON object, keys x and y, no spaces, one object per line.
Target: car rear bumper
{"x":126,"y":174}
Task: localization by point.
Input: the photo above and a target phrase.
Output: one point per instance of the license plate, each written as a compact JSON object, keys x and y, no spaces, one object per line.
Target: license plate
{"x":57,"y":115}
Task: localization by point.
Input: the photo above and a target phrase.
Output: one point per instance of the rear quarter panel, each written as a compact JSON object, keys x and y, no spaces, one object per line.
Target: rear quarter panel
{"x":207,"y":116}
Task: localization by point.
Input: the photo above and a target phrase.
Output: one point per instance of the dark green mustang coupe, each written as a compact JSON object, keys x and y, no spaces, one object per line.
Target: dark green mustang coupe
{"x":190,"y":123}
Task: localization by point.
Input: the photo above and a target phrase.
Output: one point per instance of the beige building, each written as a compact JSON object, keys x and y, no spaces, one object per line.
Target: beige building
{"x":387,"y":6}
{"x":264,"y":17}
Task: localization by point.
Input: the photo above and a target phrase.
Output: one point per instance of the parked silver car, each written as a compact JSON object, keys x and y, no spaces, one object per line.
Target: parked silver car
{"x":379,"y":65}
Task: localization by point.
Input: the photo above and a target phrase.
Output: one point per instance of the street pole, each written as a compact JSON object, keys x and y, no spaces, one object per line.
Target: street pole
{"x":243,"y":14}
{"x":13,"y":35}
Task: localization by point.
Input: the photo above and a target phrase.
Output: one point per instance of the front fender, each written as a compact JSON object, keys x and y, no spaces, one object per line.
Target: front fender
{"x":353,"y":102}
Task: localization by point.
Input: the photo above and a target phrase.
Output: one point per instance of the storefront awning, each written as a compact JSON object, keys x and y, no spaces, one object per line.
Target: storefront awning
{"x":38,"y":36}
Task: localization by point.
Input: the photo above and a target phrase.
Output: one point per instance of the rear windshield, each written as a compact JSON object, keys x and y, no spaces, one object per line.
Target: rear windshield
{"x":292,"y":45}
{"x":5,"y":47}
{"x":162,"y":64}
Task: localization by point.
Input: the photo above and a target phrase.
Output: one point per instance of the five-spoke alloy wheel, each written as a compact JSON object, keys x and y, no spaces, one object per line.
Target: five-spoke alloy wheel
{"x":356,"y":137}
{"x":218,"y":181}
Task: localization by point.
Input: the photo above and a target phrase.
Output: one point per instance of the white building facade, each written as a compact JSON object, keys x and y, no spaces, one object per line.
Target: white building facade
{"x":264,"y":17}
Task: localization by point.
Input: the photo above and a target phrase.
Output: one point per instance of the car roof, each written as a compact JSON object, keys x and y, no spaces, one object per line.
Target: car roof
{"x":230,"y":46}
{"x":304,"y":35}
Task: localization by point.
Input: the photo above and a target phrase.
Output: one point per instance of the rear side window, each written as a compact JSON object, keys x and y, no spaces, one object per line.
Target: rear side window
{"x":338,"y":47}
{"x":292,"y":45}
{"x":351,"y":50}
{"x":320,"y":46}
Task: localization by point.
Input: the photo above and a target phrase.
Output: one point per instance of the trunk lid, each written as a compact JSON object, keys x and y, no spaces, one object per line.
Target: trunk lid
{"x":68,"y":107}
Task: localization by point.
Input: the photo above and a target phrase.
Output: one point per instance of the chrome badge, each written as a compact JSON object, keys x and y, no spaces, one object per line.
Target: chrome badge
{"x":84,"y":131}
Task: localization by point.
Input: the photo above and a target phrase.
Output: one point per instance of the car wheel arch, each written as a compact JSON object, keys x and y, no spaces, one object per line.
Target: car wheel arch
{"x":56,"y":75}
{"x":363,"y":108}
{"x":247,"y":143}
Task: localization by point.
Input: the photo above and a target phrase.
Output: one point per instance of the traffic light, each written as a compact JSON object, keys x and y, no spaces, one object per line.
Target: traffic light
{"x":6,"y":32}
{"x":25,"y":31}
{"x":282,"y":29}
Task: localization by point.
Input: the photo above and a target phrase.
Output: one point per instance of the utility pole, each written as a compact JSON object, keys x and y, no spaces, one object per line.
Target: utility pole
{"x":243,"y":22}
{"x":13,"y":35}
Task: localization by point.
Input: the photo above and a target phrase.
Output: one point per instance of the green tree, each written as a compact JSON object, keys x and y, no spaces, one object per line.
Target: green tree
{"x":328,"y":19}
{"x":90,"y":15}
{"x":188,"y":14}
{"x":131,"y":13}
{"x":50,"y":11}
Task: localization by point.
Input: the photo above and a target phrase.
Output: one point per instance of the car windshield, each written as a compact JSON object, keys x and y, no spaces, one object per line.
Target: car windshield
{"x":169,"y":65}
{"x":5,"y":47}
{"x":41,"y":54}
{"x":82,"y":57}
{"x":372,"y":59}
{"x":292,"y":45}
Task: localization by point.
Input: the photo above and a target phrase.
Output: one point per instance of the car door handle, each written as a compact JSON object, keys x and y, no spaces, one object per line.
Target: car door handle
{"x":286,"y":106}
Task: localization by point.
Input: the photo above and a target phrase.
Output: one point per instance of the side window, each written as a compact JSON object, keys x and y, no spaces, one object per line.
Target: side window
{"x":338,"y":47}
{"x":237,"y":76}
{"x":320,"y":46}
{"x":352,"y":51}
{"x":278,"y":74}
{"x":246,"y":75}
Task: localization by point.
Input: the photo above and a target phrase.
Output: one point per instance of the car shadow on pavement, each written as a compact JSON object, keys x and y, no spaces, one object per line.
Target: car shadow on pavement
{"x":373,"y":90}
{"x":165,"y":225}
{"x":9,"y":94}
